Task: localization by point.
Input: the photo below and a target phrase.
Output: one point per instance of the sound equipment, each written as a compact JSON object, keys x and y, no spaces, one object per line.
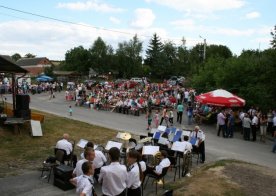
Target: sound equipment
{"x":22,"y":102}
{"x":62,"y":175}
{"x":25,"y":114}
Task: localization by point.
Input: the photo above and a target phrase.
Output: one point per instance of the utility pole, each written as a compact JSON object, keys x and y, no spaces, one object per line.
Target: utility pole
{"x":204,"y":48}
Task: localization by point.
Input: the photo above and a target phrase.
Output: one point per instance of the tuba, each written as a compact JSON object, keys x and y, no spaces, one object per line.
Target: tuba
{"x":156,"y":158}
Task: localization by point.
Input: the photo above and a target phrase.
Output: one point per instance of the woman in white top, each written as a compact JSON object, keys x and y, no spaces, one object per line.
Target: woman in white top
{"x":134,"y":173}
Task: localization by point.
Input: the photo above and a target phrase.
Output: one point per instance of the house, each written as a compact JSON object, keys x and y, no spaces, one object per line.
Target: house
{"x":35,"y":66}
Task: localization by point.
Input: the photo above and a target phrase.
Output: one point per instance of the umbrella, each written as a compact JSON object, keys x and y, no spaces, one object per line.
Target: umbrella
{"x":48,"y":78}
{"x":41,"y":79}
{"x":221,"y":98}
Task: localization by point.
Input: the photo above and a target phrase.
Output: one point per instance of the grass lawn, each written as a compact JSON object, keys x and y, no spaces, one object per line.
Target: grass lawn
{"x":19,"y":152}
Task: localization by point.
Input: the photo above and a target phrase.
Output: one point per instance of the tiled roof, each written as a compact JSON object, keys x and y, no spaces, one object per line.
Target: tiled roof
{"x":30,"y":61}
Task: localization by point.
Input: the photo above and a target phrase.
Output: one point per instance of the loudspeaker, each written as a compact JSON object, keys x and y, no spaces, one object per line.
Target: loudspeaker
{"x":22,"y":102}
{"x":25,"y":114}
{"x":62,"y":175}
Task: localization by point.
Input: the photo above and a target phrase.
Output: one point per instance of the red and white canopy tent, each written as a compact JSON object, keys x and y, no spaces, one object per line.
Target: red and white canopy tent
{"x":220,"y":98}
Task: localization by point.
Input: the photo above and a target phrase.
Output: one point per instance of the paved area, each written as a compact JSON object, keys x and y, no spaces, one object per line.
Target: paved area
{"x":216,"y":147}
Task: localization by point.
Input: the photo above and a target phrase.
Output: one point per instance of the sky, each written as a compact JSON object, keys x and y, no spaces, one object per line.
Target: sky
{"x":237,"y":24}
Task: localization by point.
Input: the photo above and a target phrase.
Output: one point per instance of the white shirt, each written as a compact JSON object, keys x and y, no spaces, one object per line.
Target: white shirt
{"x":99,"y":159}
{"x":274,"y":121}
{"x":84,"y":185}
{"x":188,"y":146}
{"x":255,"y":120}
{"x":143,"y":166}
{"x":164,"y":163}
{"x":221,"y":119}
{"x":200,"y":135}
{"x":133,"y":177}
{"x":246,"y":122}
{"x":78,"y":169}
{"x":64,"y":145}
{"x":113,"y":178}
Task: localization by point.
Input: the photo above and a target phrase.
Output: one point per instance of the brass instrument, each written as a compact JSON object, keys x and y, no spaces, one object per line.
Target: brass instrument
{"x":156,"y":159}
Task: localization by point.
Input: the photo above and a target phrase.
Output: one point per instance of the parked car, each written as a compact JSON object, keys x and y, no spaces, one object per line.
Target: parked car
{"x":138,"y":80}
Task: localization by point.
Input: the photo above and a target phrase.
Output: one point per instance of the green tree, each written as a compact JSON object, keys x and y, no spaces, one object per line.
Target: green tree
{"x":15,"y":57}
{"x":100,"y":52}
{"x":129,"y":58}
{"x":77,"y":59}
{"x":29,"y":55}
{"x":154,"y":54}
{"x":273,"y":41}
{"x":49,"y":71}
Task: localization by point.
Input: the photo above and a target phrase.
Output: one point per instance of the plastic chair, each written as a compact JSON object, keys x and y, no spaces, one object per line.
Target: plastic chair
{"x":157,"y":178}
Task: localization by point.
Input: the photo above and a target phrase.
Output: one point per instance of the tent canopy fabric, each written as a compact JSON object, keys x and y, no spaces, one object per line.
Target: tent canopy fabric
{"x":221,"y":98}
{"x":44,"y":78}
{"x":7,"y":66}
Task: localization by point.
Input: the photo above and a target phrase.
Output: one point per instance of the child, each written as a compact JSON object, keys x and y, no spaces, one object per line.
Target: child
{"x":149,"y":117}
{"x":84,"y":182}
{"x":171,"y":117}
{"x":70,"y":111}
{"x":156,"y":118}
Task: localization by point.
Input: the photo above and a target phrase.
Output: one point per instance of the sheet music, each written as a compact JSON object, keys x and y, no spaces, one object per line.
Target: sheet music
{"x":119,"y":135}
{"x":82,"y":143}
{"x":179,"y":146}
{"x":162,"y":128}
{"x":163,"y":141}
{"x":111,"y":144}
{"x":194,"y":141}
{"x":153,"y":130}
{"x":187,"y":133}
{"x":150,"y":150}
{"x":177,"y":136}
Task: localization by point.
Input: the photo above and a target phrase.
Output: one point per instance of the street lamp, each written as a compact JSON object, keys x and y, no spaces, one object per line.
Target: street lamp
{"x":204,"y":48}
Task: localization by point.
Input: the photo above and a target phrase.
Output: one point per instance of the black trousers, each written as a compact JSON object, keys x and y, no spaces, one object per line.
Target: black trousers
{"x":223,"y":128}
{"x":254,"y":132}
{"x":134,"y":192}
{"x":179,"y":117}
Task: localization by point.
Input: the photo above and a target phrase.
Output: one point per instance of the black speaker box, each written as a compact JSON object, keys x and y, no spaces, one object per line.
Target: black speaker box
{"x":63,"y":172}
{"x":25,"y":114}
{"x":22,"y":102}
{"x":63,"y":185}
{"x":62,"y":175}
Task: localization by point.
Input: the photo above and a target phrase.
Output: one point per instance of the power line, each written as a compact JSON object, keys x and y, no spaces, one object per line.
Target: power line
{"x":79,"y":24}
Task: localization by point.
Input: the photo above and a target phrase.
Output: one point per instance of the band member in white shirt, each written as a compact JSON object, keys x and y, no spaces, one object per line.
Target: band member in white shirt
{"x":157,"y":170}
{"x":114,"y":176}
{"x":200,"y":142}
{"x":134,"y":174}
{"x":83,"y":182}
{"x":89,"y":155}
{"x":187,"y":162}
{"x":98,"y":161}
{"x":67,"y":146}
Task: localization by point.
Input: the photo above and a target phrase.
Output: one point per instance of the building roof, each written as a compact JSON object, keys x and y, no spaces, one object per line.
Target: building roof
{"x":30,"y":61}
{"x":7,"y":66}
{"x":65,"y":73}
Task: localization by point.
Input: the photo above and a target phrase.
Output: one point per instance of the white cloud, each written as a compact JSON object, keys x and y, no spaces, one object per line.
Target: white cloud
{"x":95,"y":5}
{"x":200,"y":6}
{"x":53,"y":39}
{"x":143,"y":18}
{"x":252,"y":15}
{"x":114,"y":20}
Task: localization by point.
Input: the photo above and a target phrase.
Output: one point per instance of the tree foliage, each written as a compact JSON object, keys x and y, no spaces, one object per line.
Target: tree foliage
{"x":15,"y":57}
{"x":273,"y":41}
